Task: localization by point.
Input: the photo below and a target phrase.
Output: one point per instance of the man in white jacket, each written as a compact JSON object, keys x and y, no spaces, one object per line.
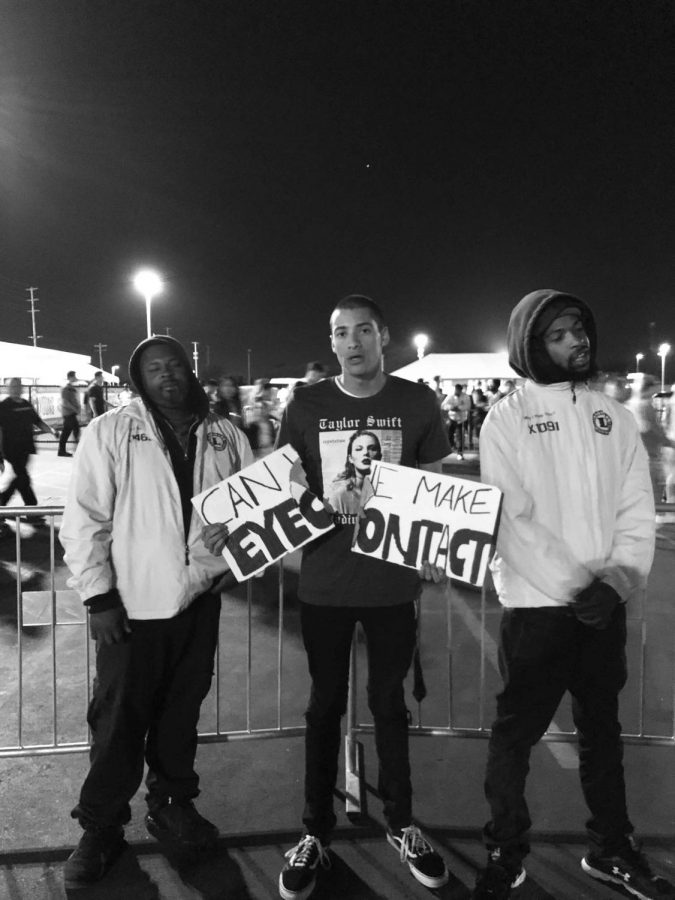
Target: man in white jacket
{"x":575,"y":545}
{"x":152,"y":591}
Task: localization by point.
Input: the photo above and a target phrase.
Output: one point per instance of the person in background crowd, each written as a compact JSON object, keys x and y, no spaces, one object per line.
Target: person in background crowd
{"x":315,"y":372}
{"x":18,"y":419}
{"x":575,"y":546}
{"x":70,"y":410}
{"x":228,"y":399}
{"x":507,"y":388}
{"x":479,"y":409}
{"x":653,"y":436}
{"x":458,"y":406}
{"x":669,"y":452}
{"x":152,"y":592}
{"x":492,"y":391}
{"x":211,"y":391}
{"x":261,"y":421}
{"x":95,"y":397}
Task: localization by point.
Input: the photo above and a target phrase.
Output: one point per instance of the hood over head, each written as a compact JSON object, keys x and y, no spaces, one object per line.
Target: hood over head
{"x":529,"y":320}
{"x":197,"y":400}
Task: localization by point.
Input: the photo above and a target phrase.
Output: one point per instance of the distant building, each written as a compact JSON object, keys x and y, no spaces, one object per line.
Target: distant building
{"x":40,"y":365}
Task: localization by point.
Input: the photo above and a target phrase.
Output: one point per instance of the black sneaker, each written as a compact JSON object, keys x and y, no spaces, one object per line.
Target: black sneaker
{"x":630,"y":869}
{"x":497,"y":880}
{"x":298,"y":876}
{"x":424,"y":863}
{"x":180,"y":823}
{"x":98,"y":849}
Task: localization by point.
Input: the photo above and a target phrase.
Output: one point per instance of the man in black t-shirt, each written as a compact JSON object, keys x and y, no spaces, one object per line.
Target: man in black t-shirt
{"x":94,"y":396}
{"x":338,"y":426}
{"x":18,"y":418}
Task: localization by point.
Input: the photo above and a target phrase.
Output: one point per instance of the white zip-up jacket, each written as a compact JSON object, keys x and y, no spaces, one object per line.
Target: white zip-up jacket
{"x":123,"y":523}
{"x":578,"y":502}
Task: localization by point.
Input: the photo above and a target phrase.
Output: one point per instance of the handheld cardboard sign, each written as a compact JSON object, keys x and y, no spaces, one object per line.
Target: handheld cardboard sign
{"x":268,"y":510}
{"x":410,"y":516}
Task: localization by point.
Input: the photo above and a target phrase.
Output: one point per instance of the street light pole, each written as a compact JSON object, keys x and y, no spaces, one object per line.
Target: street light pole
{"x":195,"y":356}
{"x":113,"y":370}
{"x":663,"y":351}
{"x":248,"y":363}
{"x":149,"y":284}
{"x":638,"y":357}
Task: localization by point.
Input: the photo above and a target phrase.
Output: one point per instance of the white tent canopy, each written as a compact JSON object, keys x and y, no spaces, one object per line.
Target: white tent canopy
{"x":460,"y":367}
{"x":40,"y":365}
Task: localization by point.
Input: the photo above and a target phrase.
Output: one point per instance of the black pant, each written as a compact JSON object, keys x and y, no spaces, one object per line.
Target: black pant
{"x":456,"y":436}
{"x":21,"y":480}
{"x":542,"y":654}
{"x":71,"y":425}
{"x":147,"y":695}
{"x":390,"y":639}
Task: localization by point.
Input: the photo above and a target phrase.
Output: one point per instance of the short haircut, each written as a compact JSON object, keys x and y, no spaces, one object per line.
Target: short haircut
{"x":360,"y":301}
{"x":70,"y":374}
{"x":315,"y":366}
{"x":96,"y":374}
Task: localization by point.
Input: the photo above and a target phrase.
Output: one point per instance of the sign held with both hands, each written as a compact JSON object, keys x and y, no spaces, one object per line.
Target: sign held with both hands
{"x":410,"y":515}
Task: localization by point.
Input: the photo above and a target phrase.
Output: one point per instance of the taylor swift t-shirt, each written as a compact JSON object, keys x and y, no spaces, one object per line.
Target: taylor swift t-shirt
{"x":337,"y":436}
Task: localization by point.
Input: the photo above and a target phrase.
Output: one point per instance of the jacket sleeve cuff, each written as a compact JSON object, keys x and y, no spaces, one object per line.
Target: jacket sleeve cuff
{"x":101,"y":602}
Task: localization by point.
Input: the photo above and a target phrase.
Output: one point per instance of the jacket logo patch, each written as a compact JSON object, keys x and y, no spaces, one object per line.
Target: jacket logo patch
{"x":139,"y":437}
{"x":602,"y":421}
{"x":217,"y":440}
{"x":542,"y":427}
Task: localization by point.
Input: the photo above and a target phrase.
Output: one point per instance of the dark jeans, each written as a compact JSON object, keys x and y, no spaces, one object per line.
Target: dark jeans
{"x":390,"y":640}
{"x":71,"y":425}
{"x":456,"y":435}
{"x":20,"y":482}
{"x":147,"y":695}
{"x":542,"y":654}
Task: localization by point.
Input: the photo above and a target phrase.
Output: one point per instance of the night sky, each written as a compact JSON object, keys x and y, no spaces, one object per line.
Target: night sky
{"x":269,"y":157}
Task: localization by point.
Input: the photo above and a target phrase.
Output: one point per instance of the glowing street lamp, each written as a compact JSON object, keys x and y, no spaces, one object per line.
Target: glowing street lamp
{"x":149,"y":284}
{"x":638,"y":357}
{"x":113,"y":370}
{"x":663,"y":351}
{"x":421,"y":341}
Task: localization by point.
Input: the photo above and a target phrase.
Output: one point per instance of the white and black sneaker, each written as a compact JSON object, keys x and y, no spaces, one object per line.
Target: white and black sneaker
{"x":423,"y":861}
{"x":298,"y":877}
{"x":630,"y":869}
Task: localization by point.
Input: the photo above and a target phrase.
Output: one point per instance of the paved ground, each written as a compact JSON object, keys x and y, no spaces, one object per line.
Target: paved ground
{"x":252,"y":789}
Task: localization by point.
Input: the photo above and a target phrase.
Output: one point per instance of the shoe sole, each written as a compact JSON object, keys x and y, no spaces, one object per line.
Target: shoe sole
{"x":603,"y":876}
{"x":295,"y":895}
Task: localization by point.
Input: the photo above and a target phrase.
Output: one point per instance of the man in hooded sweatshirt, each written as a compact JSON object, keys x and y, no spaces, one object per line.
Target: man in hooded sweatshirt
{"x":152,"y":592}
{"x":575,"y":546}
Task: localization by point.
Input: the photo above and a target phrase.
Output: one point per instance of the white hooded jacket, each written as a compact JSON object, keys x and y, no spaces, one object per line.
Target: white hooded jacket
{"x":123,"y":523}
{"x":578,"y":502}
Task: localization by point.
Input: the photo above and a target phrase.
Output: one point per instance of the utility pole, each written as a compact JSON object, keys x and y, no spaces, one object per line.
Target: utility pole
{"x":33,"y":300}
{"x":195,"y":356}
{"x":100,"y":347}
{"x":248,"y":364}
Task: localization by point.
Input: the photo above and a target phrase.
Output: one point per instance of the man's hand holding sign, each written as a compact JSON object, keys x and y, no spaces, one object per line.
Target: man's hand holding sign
{"x":434,"y":523}
{"x":262,"y":513}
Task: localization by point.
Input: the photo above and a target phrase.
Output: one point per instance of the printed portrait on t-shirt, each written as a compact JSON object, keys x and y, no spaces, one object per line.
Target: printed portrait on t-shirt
{"x":346,"y":458}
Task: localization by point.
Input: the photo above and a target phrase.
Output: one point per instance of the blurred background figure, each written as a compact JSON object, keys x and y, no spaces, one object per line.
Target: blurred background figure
{"x":492,"y":391}
{"x":18,"y":419}
{"x":70,"y":410}
{"x":479,"y":408}
{"x":315,"y":371}
{"x":228,"y":400}
{"x":211,"y":391}
{"x":669,"y":452}
{"x":641,"y":405}
{"x":261,"y":419}
{"x":95,"y":397}
{"x":458,"y":406}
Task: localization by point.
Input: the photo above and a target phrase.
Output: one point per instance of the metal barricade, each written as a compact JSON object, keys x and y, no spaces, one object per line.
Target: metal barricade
{"x":460,"y":655}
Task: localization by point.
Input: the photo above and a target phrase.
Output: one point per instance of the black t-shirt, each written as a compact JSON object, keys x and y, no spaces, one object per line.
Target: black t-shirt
{"x":402,"y":425}
{"x":95,"y":393}
{"x":17,"y":420}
